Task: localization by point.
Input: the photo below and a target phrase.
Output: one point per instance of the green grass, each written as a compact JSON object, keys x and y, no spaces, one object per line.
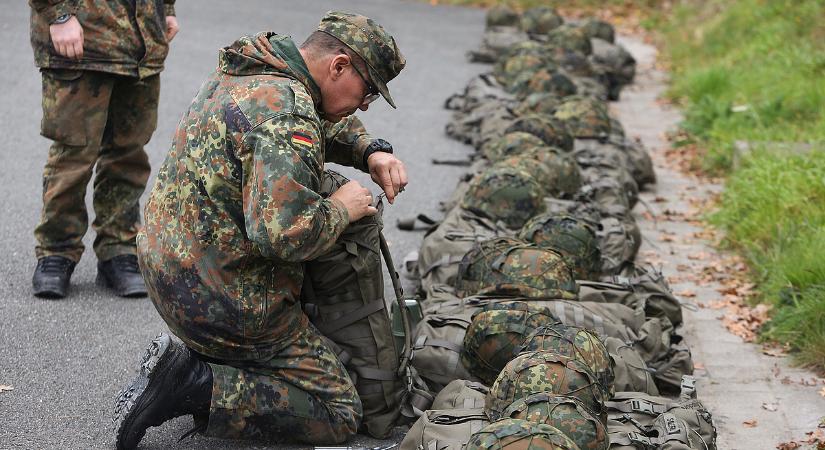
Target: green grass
{"x":754,"y":70}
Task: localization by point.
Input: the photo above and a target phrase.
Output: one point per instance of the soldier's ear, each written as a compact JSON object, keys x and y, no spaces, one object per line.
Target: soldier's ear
{"x":338,"y":65}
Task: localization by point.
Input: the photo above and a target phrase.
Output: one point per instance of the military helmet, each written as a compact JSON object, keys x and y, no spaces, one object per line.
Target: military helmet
{"x":575,"y":343}
{"x":539,"y":103}
{"x":496,"y":333}
{"x":507,"y":266}
{"x":573,"y":238}
{"x":567,"y":414}
{"x":518,"y":434}
{"x":596,"y":28}
{"x":540,"y":20}
{"x":506,"y":70}
{"x":556,"y":171}
{"x":586,"y":117}
{"x":528,"y":47}
{"x":509,"y":144}
{"x":542,"y":80}
{"x":568,"y":37}
{"x":533,"y":372}
{"x":506,"y":194}
{"x":502,"y":16}
{"x":552,"y":131}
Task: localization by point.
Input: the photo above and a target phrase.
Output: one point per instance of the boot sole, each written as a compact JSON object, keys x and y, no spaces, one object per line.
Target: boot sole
{"x":102,"y":281}
{"x":131,"y":401}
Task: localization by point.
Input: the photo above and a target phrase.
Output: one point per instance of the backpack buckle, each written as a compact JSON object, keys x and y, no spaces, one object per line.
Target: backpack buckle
{"x":642,"y":406}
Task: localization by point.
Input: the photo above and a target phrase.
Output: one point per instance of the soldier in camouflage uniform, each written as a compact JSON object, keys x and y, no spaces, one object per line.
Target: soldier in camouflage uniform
{"x":100,"y":62}
{"x":234,"y":214}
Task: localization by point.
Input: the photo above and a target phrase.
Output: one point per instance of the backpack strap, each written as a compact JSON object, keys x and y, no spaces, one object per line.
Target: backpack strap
{"x":639,"y":405}
{"x":445,"y":260}
{"x":330,"y":326}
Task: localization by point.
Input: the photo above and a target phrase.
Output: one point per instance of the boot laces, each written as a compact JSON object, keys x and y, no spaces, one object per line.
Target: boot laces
{"x":54,"y":265}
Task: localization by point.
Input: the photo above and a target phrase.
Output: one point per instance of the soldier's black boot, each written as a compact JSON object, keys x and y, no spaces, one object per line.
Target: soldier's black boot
{"x":171,"y":383}
{"x":122,"y":275}
{"x":51,"y":276}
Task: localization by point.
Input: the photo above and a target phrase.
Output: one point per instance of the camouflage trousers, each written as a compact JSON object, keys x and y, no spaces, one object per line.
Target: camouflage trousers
{"x":97,"y":121}
{"x":303,"y":393}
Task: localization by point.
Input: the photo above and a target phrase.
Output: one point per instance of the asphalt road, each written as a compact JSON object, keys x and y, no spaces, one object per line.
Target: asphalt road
{"x":67,"y":359}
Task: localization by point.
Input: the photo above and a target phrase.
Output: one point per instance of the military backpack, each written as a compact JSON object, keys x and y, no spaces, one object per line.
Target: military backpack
{"x":444,"y":429}
{"x":517,"y":434}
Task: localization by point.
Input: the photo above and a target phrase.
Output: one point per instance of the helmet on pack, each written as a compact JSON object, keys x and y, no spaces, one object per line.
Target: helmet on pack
{"x":534,"y":372}
{"x":568,"y":37}
{"x":575,"y":343}
{"x":567,"y":414}
{"x":509,"y":144}
{"x":517,"y":434}
{"x":586,"y":117}
{"x":504,"y":194}
{"x":509,"y":68}
{"x":497,"y":333}
{"x":508,"y":266}
{"x":539,"y":103}
{"x":542,"y":80}
{"x":552,"y":131}
{"x":540,"y":20}
{"x":573,"y":238}
{"x":599,"y":29}
{"x":502,"y":16}
{"x":556,"y":171}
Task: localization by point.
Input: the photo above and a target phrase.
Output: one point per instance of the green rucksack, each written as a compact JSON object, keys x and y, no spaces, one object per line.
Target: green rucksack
{"x":574,"y":343}
{"x":343,"y":295}
{"x":619,"y":241}
{"x":495,"y":42}
{"x":667,"y":432}
{"x":534,"y":372}
{"x":567,"y":414}
{"x":461,"y":394}
{"x":444,"y":429}
{"x":504,"y":194}
{"x":496,"y":334}
{"x":630,"y":370}
{"x":517,"y":434}
{"x":512,"y":267}
{"x":436,"y":352}
{"x":443,"y":247}
{"x":573,"y":238}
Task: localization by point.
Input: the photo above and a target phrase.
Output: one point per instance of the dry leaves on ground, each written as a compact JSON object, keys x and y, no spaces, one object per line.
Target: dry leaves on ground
{"x":5,"y":388}
{"x":813,"y":439}
{"x":751,"y":423}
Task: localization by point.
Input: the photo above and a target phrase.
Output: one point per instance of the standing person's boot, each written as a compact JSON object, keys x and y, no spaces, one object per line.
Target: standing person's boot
{"x":171,"y":383}
{"x":51,"y":276}
{"x":122,"y":275}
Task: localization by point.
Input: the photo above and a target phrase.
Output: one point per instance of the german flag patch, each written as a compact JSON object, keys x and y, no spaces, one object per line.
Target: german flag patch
{"x":299,"y":138}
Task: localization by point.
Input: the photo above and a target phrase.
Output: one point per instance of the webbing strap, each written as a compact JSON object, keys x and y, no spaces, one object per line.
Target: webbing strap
{"x":445,"y":260}
{"x":474,"y":402}
{"x":631,"y":438}
{"x":424,"y":341}
{"x":350,"y":318}
{"x":638,"y":405}
{"x":371,"y":373}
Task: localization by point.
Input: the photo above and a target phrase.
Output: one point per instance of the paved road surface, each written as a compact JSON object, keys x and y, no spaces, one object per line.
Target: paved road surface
{"x":67,"y":359}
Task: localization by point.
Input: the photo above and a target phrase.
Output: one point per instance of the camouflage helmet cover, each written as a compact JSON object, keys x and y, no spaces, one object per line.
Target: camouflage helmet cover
{"x":556,"y":172}
{"x":506,"y":266}
{"x":600,"y":29}
{"x":534,"y":372}
{"x":575,"y":343}
{"x":552,"y":131}
{"x":371,"y":42}
{"x":570,"y":37}
{"x":517,"y":434}
{"x":540,"y":20}
{"x":574,"y":238}
{"x":567,"y":414}
{"x":506,"y":194}
{"x":502,"y":15}
{"x":586,"y":117}
{"x":509,"y":144}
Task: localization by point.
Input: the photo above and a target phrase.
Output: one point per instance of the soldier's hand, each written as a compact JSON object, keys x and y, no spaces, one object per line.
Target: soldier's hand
{"x":67,"y":38}
{"x":172,"y":28}
{"x":388,"y":172}
{"x":357,"y":199}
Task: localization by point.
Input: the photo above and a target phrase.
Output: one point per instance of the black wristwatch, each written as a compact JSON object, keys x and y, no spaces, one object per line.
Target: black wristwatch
{"x":378,"y":145}
{"x":62,"y":19}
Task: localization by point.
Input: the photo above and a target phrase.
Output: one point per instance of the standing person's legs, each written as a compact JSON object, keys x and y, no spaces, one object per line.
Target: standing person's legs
{"x":123,"y":166}
{"x":75,"y":108}
{"x":302,"y":394}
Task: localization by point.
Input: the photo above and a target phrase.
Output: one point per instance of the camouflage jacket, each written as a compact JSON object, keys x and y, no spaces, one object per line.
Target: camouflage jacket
{"x":235,"y":209}
{"x":124,"y":37}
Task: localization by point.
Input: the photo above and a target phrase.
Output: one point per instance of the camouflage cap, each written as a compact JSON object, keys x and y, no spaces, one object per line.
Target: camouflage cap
{"x":533,"y":372}
{"x":371,"y":42}
{"x":517,"y":434}
{"x":566,"y":414}
{"x":574,"y":238}
{"x":575,"y":343}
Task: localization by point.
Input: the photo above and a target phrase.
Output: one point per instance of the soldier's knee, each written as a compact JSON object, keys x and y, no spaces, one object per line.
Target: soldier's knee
{"x":345,"y":418}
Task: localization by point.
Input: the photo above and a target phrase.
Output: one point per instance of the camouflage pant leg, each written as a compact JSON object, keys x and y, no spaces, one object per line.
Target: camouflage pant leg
{"x":123,"y":166}
{"x":75,"y":109}
{"x":303,"y":393}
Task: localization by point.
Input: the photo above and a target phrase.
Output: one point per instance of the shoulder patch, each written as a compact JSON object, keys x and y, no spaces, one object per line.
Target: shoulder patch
{"x":299,"y":138}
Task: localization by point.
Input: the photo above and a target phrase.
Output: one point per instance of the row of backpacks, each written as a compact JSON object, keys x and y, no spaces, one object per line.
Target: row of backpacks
{"x":536,"y":328}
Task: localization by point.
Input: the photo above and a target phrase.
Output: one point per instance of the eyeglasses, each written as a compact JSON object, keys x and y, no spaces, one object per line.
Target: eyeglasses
{"x":372,"y":92}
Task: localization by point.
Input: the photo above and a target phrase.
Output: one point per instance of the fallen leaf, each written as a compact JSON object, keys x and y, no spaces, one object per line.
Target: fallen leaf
{"x":698,"y":366}
{"x":822,"y":392}
{"x":770,"y":406}
{"x":751,"y":423}
{"x":788,"y":445}
{"x":5,"y":388}
{"x":686,"y":293}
